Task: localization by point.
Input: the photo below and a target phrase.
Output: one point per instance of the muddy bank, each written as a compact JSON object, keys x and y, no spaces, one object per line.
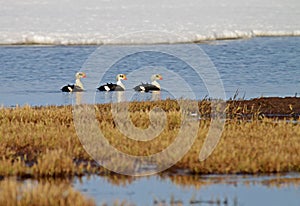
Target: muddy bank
{"x":268,"y":106}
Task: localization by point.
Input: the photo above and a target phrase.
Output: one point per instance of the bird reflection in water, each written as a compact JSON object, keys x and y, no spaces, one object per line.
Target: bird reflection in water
{"x":117,"y":96}
{"x":78,"y":98}
{"x":156,"y":95}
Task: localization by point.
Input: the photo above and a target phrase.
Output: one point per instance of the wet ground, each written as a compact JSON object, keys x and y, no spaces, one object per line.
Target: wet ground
{"x":288,"y":107}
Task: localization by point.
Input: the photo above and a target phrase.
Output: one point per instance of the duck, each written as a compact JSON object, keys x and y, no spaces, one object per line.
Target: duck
{"x":119,"y":86}
{"x":78,"y":86}
{"x":146,"y":87}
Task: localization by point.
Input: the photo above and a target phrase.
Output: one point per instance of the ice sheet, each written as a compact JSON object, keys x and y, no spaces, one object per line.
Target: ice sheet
{"x":143,"y":21}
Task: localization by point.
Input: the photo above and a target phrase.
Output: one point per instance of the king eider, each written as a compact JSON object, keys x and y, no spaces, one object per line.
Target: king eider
{"x":119,"y":86}
{"x":146,"y":87}
{"x":78,"y":86}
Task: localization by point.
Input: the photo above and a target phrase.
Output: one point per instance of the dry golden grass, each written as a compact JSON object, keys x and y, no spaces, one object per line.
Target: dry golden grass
{"x":42,"y":142}
{"x":14,"y":193}
{"x":54,"y":163}
{"x":251,"y":147}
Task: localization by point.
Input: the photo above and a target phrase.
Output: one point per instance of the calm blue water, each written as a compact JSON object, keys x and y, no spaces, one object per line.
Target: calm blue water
{"x":238,"y":190}
{"x":255,"y":67}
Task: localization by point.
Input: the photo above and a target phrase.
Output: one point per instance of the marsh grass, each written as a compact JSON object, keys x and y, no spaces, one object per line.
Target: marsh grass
{"x":42,"y":142}
{"x":14,"y":193}
{"x":250,"y":147}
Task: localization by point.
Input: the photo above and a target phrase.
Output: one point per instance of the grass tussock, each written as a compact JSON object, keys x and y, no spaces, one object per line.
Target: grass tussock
{"x":13,"y":193}
{"x":42,"y":141}
{"x":250,"y":147}
{"x":54,"y":163}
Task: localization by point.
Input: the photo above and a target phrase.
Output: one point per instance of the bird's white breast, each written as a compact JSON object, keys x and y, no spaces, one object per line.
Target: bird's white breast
{"x":106,"y":88}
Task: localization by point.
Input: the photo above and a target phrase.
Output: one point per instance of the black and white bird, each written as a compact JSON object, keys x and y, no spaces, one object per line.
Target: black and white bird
{"x":146,"y":87}
{"x":78,"y":86}
{"x":119,"y":86}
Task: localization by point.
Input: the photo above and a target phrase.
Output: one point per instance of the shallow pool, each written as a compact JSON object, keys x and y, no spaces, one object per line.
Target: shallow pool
{"x":194,"y":190}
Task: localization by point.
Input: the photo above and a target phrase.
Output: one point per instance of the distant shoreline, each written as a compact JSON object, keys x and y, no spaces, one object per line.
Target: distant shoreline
{"x":96,"y":42}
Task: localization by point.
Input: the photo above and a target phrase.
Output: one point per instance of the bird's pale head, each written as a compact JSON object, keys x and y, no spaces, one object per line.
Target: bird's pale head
{"x":121,"y":76}
{"x":80,"y":75}
{"x":156,"y":77}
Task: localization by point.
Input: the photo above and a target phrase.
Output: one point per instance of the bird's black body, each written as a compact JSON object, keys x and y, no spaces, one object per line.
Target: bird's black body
{"x":71,"y":88}
{"x":110,"y":87}
{"x":146,"y":87}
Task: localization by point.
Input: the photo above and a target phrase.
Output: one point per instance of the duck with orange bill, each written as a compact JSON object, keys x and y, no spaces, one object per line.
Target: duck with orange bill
{"x":78,"y":86}
{"x":153,"y":86}
{"x":118,"y":86}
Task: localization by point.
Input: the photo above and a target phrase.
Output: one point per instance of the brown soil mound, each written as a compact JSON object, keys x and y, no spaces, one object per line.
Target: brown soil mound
{"x":270,"y":106}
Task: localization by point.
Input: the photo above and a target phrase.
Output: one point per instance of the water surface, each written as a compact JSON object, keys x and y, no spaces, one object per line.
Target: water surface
{"x":256,"y":67}
{"x":201,"y":190}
